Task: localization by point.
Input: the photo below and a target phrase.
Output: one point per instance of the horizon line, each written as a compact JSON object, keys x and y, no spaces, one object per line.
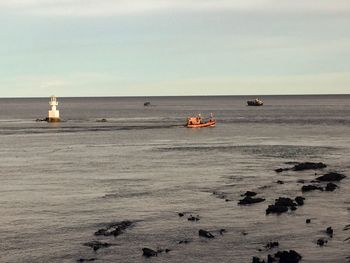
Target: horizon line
{"x":162,"y":96}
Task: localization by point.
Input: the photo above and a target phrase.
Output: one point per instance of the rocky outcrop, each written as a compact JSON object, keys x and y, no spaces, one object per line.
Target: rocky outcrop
{"x":331,"y":177}
{"x":250,"y":200}
{"x":303,"y":166}
{"x":299,"y":200}
{"x":147,"y":252}
{"x":308,"y":166}
{"x":290,"y":256}
{"x":204,"y":233}
{"x":114,"y":229}
{"x":308,"y":188}
{"x":96,"y":245}
{"x":330,"y":187}
{"x":282,"y":204}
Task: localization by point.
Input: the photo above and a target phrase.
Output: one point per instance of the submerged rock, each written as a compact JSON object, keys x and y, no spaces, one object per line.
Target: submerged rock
{"x":329,"y":231}
{"x":308,"y":188}
{"x":277,"y":209}
{"x":249,"y":193}
{"x":147,"y":252}
{"x":96,"y":245}
{"x":321,"y":242}
{"x":250,"y":200}
{"x":308,"y":221}
{"x":204,"y":233}
{"x":331,"y":177}
{"x":86,"y":259}
{"x":331,"y":187}
{"x":180,"y":214}
{"x":299,"y":200}
{"x":193,"y":218}
{"x":290,"y":256}
{"x":114,"y":229}
{"x":272,"y":245}
{"x":308,"y":166}
{"x":257,"y":260}
{"x":281,"y":205}
{"x":280,"y":170}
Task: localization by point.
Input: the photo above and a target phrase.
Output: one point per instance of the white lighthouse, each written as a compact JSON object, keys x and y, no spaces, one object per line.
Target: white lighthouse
{"x":54,"y":114}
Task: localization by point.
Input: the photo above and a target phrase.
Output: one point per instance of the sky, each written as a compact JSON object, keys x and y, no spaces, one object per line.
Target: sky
{"x":174,"y":47}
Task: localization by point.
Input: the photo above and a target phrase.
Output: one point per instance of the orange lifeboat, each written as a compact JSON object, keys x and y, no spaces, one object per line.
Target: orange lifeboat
{"x":197,"y":122}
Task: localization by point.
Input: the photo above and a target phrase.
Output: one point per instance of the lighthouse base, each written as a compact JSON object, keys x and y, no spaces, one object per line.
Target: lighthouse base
{"x":53,"y":119}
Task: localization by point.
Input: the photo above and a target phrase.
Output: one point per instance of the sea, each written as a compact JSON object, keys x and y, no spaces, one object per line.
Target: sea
{"x":62,"y":182}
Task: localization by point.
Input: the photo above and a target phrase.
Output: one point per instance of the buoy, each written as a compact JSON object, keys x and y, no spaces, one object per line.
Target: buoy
{"x":54,"y":114}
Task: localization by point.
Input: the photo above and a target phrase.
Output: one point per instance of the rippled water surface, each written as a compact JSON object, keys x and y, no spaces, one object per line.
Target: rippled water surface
{"x":59,"y":183}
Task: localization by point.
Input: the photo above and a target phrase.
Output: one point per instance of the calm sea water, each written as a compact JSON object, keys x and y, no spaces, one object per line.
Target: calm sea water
{"x":59,"y":183}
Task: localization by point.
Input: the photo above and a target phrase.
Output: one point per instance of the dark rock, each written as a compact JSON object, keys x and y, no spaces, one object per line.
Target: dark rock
{"x":270,"y":259}
{"x":204,"y":233}
{"x":249,"y":193}
{"x":290,"y":256}
{"x":272,"y":245}
{"x":244,"y":233}
{"x":308,"y":166}
{"x":301,"y":181}
{"x":329,"y":231}
{"x":101,"y":120}
{"x":96,"y":245}
{"x":321,"y":242}
{"x":331,"y":187}
{"x":331,"y":177}
{"x":222,"y":231}
{"x":167,"y":250}
{"x":114,"y":229}
{"x":293,"y":208}
{"x":186,"y":241}
{"x":299,"y":200}
{"x":347,"y":227}
{"x":257,"y":260}
{"x":280,"y":170}
{"x":101,"y":232}
{"x":147,"y":252}
{"x":181,"y":214}
{"x":86,"y":259}
{"x":308,"y":188}
{"x":278,"y":209}
{"x":281,"y":205}
{"x":308,"y":221}
{"x":250,"y":200}
{"x":280,"y":182}
{"x":193,"y":218}
{"x":285,"y":201}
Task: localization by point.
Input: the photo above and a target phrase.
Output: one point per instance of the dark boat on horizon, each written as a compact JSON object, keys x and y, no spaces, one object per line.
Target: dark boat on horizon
{"x":256,"y":102}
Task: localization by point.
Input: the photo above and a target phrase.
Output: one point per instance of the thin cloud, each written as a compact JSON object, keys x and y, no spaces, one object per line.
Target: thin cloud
{"x":124,"y":7}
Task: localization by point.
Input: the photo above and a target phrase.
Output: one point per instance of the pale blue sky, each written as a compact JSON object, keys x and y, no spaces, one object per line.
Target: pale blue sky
{"x":182,"y":47}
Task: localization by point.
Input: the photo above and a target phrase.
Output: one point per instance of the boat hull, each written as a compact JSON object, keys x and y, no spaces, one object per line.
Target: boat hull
{"x":253,"y":103}
{"x":202,"y":125}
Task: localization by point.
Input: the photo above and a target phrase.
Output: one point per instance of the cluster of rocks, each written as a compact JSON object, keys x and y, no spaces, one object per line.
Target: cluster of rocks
{"x":148,"y":252}
{"x":114,"y":229}
{"x":283,"y":204}
{"x":221,"y":195}
{"x":303,"y":166}
{"x":322,"y":241}
{"x":250,"y":199}
{"x":290,"y":256}
{"x":190,"y":218}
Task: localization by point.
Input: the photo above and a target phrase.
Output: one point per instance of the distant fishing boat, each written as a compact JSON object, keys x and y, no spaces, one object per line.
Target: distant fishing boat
{"x":198,"y":122}
{"x":256,"y":102}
